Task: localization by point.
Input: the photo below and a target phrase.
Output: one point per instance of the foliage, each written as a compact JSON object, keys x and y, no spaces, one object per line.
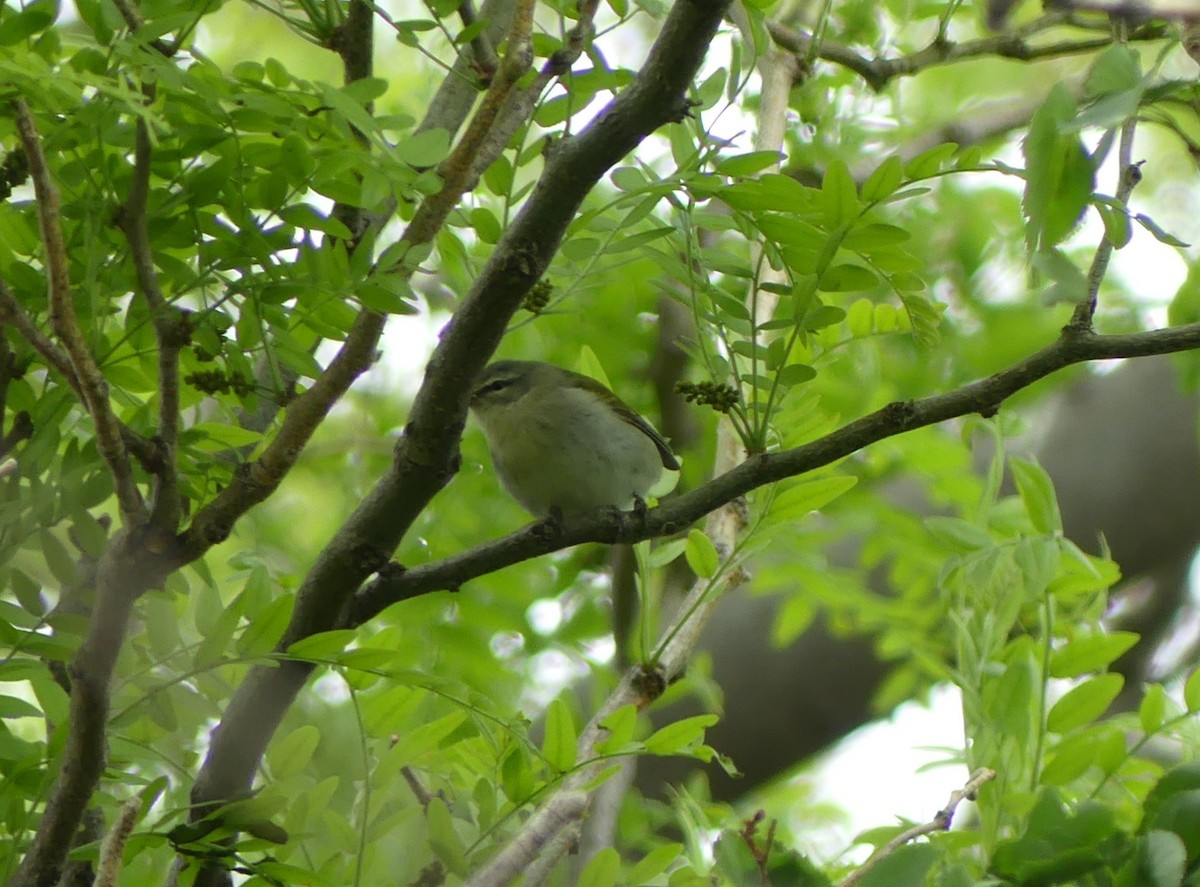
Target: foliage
{"x":236,"y":228}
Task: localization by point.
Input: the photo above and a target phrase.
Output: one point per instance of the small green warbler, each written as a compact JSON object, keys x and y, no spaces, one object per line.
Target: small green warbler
{"x":561,"y":441}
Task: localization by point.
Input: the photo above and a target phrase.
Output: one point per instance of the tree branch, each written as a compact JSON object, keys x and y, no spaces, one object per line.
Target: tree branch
{"x":983,"y":396}
{"x":879,"y":71}
{"x":13,"y":314}
{"x":92,"y":384}
{"x":940,"y":823}
{"x":426,"y":457}
{"x":522,"y":101}
{"x":1128,"y":175}
{"x":170,"y":328}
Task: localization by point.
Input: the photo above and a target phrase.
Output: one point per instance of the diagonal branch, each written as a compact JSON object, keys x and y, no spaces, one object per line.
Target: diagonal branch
{"x":92,"y":385}
{"x":983,"y":396}
{"x":426,"y":457}
{"x":940,"y":823}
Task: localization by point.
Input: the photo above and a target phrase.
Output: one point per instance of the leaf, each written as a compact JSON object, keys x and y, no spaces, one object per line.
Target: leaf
{"x":1060,"y":177}
{"x":602,"y":869}
{"x":929,"y":162}
{"x":802,"y":498}
{"x":839,"y":196}
{"x":1084,"y":654}
{"x":1161,"y":859}
{"x":701,"y":554}
{"x":425,"y":149}
{"x":620,"y":726}
{"x":323,"y":645}
{"x":680,"y":736}
{"x":847,"y":279}
{"x":1191,"y":691}
{"x":1037,"y":492}
{"x":1117,"y":69}
{"x":884,"y":180}
{"x":654,"y":863}
{"x":748,"y":164}
{"x":1150,"y":225}
{"x":290,"y":754}
{"x":959,"y":534}
{"x":444,"y":839}
{"x":1082,"y":705}
{"x":795,"y":374}
{"x":1116,"y":224}
{"x":559,"y":743}
{"x":1153,"y":708}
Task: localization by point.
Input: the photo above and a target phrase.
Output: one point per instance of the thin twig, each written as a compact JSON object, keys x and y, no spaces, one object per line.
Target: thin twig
{"x":92,"y":385}
{"x":521,"y":103}
{"x":170,"y":326}
{"x":113,"y":847}
{"x":485,"y":59}
{"x":134,"y":21}
{"x":12,"y":313}
{"x":939,"y":823}
{"x":1128,"y":176}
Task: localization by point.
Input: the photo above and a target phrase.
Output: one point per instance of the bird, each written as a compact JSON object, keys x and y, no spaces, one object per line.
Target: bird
{"x":562,"y":443}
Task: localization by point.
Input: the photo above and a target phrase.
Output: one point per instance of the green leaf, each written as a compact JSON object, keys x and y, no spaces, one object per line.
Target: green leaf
{"x":620,"y":726}
{"x":1116,"y":224}
{"x":839,"y":196}
{"x":1161,"y":859}
{"x":444,"y":838}
{"x":909,"y":866}
{"x":559,"y":743}
{"x":678,"y":737}
{"x":1082,"y":705}
{"x":602,"y":869}
{"x":425,"y":149}
{"x":1037,"y":492}
{"x":290,"y":755}
{"x":803,"y":497}
{"x":1083,"y":654}
{"x":1159,"y":234}
{"x":701,"y":554}
{"x":930,"y":162}
{"x":960,"y":535}
{"x":1060,"y":177}
{"x":884,"y":180}
{"x":795,"y":374}
{"x":1191,"y":691}
{"x":654,"y":863}
{"x":1153,"y":709}
{"x":1116,"y":69}
{"x":323,"y":645}
{"x":748,"y":164}
{"x":847,"y":279}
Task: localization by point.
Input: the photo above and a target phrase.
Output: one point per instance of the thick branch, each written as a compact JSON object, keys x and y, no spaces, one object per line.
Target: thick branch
{"x":427,"y":455}
{"x":878,"y":72}
{"x":127,"y":569}
{"x":92,"y":384}
{"x":983,"y":396}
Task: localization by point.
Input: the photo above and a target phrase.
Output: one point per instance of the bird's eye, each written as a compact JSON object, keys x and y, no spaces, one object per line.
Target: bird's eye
{"x":494,"y":385}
